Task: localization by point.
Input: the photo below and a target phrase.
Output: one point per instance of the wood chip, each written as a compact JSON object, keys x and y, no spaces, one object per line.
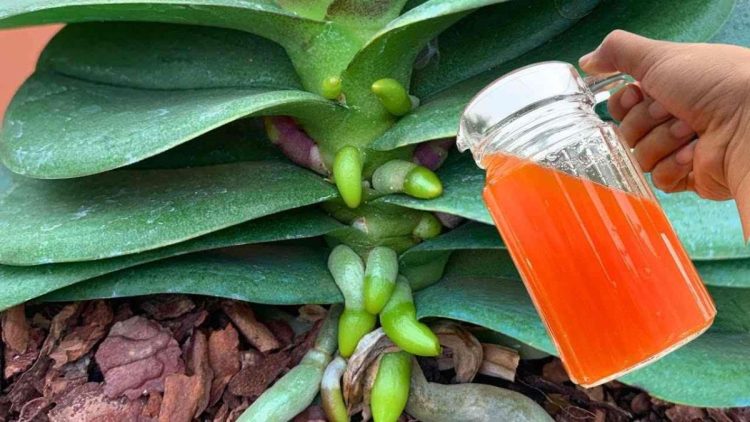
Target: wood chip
{"x":254,"y":331}
{"x":16,"y":329}
{"x":163,"y":307}
{"x":198,"y":365}
{"x":224,"y":358}
{"x":30,"y":384}
{"x":88,"y":403}
{"x":182,"y":397}
{"x":153,"y":405}
{"x":555,"y":371}
{"x":680,"y":413}
{"x":136,"y":357}
{"x":96,"y":316}
{"x":252,"y":381}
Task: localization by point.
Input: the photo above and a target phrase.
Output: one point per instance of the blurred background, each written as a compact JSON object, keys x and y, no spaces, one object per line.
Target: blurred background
{"x":19,"y":49}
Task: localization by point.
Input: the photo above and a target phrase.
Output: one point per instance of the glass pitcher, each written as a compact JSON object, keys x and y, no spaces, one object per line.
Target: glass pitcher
{"x":604,"y":267}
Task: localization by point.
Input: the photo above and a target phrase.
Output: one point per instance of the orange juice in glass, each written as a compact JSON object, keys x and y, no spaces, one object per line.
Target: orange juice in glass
{"x":604,"y":267}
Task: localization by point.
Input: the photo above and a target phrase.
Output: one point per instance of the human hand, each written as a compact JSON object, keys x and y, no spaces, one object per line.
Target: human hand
{"x":687,"y":117}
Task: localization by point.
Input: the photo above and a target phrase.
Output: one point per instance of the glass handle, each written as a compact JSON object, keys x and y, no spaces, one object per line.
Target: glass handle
{"x":603,"y":86}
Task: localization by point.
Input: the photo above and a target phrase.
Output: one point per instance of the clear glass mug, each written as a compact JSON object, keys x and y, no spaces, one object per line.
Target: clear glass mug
{"x":604,"y":267}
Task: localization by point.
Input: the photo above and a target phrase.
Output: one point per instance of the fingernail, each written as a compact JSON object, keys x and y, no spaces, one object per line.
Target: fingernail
{"x":629,"y":98}
{"x":685,"y":155}
{"x":680,"y":130}
{"x":657,"y":111}
{"x":585,"y":59}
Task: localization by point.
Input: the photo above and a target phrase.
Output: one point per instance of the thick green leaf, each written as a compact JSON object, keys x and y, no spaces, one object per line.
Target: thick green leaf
{"x":364,"y":17}
{"x":725,"y":272}
{"x":463,"y":182}
{"x":279,"y":275}
{"x":424,"y":263}
{"x":248,"y":15}
{"x":243,"y":140}
{"x":493,"y":35}
{"x":129,"y":211}
{"x":679,"y":20}
{"x":317,"y":48}
{"x":713,"y":370}
{"x":735,"y":30}
{"x":708,"y":229}
{"x":60,"y":127}
{"x":391,"y":51}
{"x":166,"y":56}
{"x":21,"y":284}
{"x":479,"y":288}
{"x":471,"y":235}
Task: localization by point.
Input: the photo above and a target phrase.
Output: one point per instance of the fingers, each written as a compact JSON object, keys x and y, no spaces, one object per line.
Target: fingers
{"x":675,"y":172}
{"x":623,"y":51}
{"x":623,"y":101}
{"x":661,"y":142}
{"x":641,"y":119}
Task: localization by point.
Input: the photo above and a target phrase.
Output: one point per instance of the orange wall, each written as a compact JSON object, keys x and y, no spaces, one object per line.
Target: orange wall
{"x":19,"y":49}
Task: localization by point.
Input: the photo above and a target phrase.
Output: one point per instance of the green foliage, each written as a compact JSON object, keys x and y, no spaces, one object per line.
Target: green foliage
{"x":20,"y":284}
{"x":682,"y":21}
{"x":276,"y":275}
{"x":129,"y":211}
{"x":145,"y":118}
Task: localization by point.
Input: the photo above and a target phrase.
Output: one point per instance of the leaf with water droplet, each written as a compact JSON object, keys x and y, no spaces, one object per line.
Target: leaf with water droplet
{"x":129,"y":211}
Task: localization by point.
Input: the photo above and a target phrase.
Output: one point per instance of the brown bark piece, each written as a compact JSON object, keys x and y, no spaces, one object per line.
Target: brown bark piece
{"x":16,"y":363}
{"x":167,"y":306}
{"x":221,"y":414}
{"x":253,"y":380}
{"x":282,"y":331}
{"x":555,"y":372}
{"x":718,"y":415}
{"x":254,"y":331}
{"x":183,"y":326}
{"x":313,"y":413}
{"x":182,"y":396}
{"x":153,"y":405}
{"x":303,"y":343}
{"x":31,"y":383}
{"x":88,"y":403}
{"x":640,"y":404}
{"x":312,"y":313}
{"x":739,"y":414}
{"x":224,"y":358}
{"x":97,"y":316}
{"x":59,"y":381}
{"x":136,"y":357}
{"x":198,"y":365}
{"x":16,"y":329}
{"x":680,"y":413}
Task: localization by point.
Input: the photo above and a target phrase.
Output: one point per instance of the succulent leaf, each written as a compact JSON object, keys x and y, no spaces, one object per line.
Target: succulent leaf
{"x":277,"y":275}
{"x":20,"y":284}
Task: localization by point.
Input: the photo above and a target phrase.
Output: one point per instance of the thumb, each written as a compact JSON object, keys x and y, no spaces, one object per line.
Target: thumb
{"x":626,"y":52}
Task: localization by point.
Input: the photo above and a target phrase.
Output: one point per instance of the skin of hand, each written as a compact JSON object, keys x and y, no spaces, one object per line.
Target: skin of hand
{"x":687,"y":117}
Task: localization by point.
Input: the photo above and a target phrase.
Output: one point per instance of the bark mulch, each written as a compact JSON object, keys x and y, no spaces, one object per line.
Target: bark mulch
{"x":182,"y":358}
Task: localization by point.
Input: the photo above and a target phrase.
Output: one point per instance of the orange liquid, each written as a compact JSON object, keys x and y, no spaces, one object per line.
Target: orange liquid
{"x":604,"y":268}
